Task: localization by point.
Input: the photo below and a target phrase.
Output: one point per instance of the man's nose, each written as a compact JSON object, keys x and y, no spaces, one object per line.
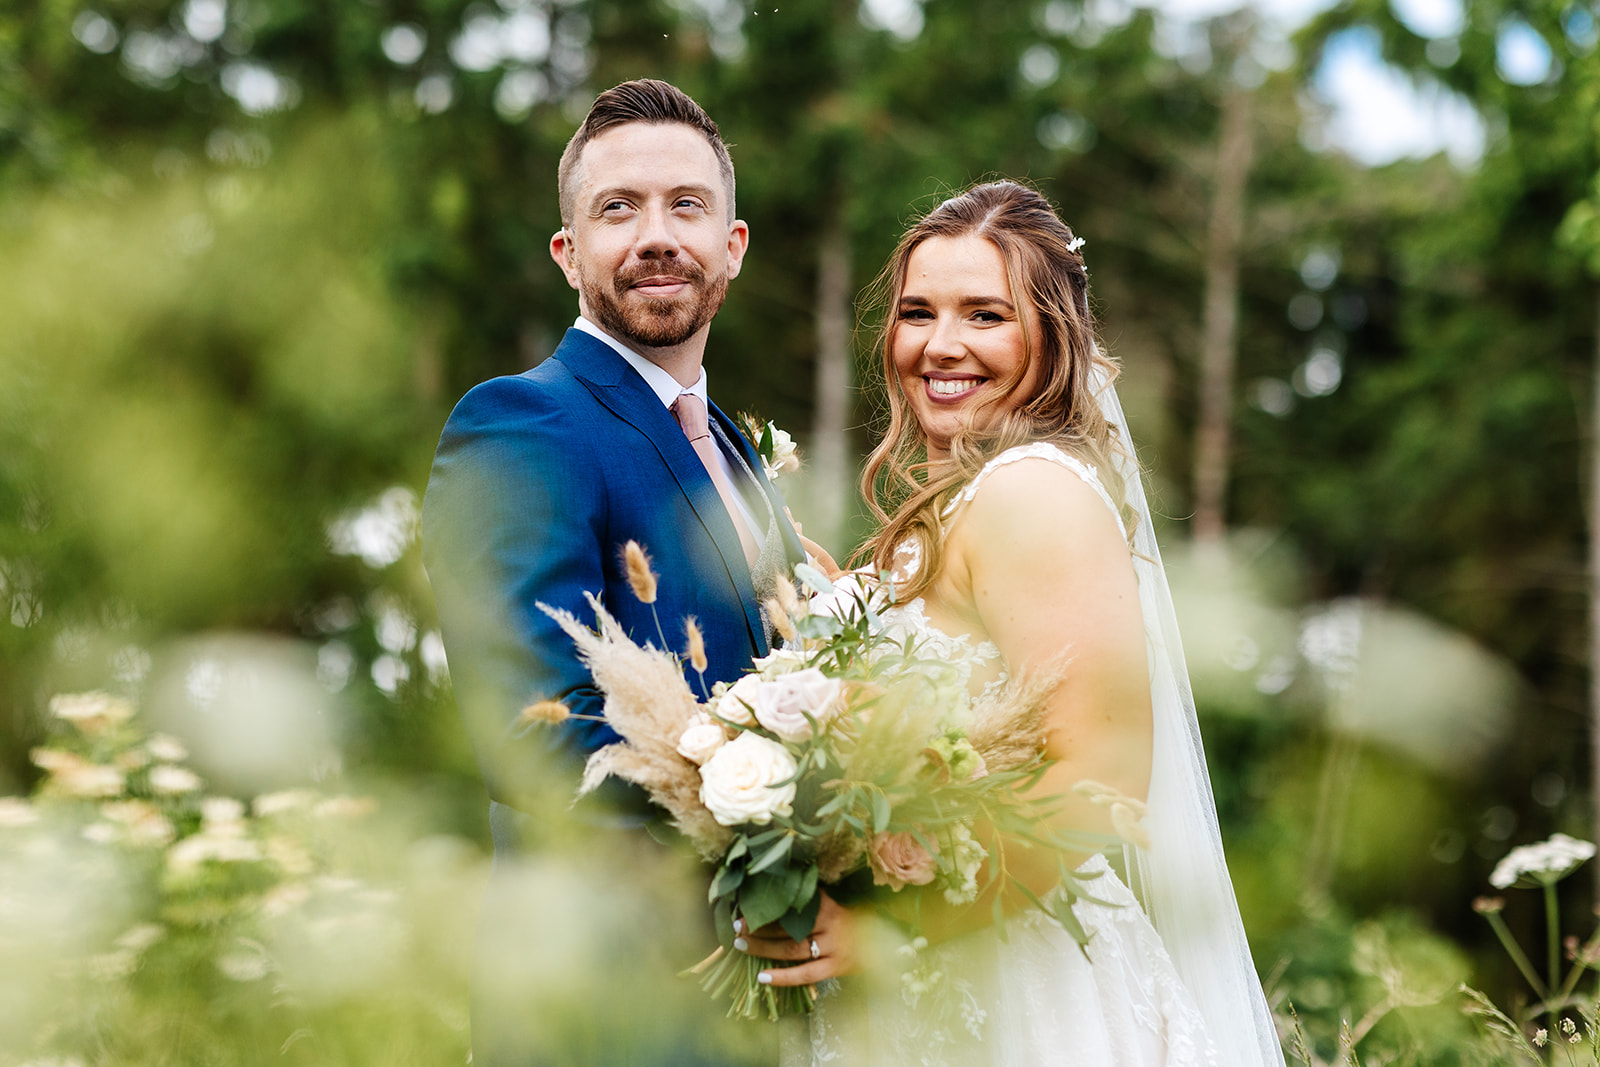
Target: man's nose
{"x":656,"y":236}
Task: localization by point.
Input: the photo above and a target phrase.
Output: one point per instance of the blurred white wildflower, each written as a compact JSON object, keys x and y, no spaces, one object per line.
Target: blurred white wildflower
{"x":74,"y":776}
{"x":16,"y":813}
{"x":142,"y":822}
{"x":345,"y":807}
{"x":170,"y":780}
{"x":218,"y":812}
{"x":91,"y":712}
{"x":140,"y":937}
{"x":188,"y":855}
{"x":269,"y":804}
{"x":246,"y":963}
{"x":167,"y":748}
{"x":282,"y":899}
{"x":1542,"y":864}
{"x":289,"y":856}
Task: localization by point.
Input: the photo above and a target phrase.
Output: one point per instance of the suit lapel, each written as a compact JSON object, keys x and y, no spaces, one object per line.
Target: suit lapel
{"x":792,"y":550}
{"x":618,"y":386}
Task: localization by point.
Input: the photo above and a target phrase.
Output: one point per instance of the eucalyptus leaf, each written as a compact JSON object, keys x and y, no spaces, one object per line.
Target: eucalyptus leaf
{"x":880,"y":812}
{"x":773,"y":855}
{"x":814,"y":578}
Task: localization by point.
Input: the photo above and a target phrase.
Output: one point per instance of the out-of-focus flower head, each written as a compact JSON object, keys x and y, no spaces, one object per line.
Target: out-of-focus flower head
{"x":1545,"y":863}
{"x":93,"y":712}
{"x":74,"y":776}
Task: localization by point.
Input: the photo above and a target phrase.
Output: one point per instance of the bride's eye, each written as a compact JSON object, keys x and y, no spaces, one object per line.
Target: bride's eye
{"x":915,"y":314}
{"x":987,"y":316}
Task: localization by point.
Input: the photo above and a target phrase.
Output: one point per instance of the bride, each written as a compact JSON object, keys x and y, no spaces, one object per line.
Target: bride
{"x":1026,"y":535}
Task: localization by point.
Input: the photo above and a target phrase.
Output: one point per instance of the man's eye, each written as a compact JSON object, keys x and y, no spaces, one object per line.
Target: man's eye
{"x":687,"y":204}
{"x":615,"y":206}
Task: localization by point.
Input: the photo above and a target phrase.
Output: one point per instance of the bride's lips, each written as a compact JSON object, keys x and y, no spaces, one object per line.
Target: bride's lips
{"x":950,"y":388}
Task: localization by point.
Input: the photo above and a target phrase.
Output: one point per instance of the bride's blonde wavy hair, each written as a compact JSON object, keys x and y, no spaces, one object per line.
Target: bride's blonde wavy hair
{"x":906,"y":493}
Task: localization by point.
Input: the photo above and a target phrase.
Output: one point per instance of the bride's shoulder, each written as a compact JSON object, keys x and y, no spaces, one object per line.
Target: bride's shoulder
{"x":1022,"y":482}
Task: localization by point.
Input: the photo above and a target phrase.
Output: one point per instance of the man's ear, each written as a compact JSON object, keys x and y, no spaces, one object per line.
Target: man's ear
{"x":565,"y":252}
{"x":738,"y":242}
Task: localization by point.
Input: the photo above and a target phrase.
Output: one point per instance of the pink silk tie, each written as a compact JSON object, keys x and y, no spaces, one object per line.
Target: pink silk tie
{"x":691,"y":413}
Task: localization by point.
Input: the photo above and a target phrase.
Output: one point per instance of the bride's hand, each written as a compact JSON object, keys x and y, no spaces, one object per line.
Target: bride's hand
{"x":818,"y":554}
{"x":834,"y":936}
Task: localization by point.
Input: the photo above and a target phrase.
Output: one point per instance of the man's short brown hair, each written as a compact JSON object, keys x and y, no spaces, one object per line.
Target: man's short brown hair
{"x":649,"y":101}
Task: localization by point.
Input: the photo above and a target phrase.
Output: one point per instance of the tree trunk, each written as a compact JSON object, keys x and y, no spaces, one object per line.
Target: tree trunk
{"x":831,"y":469}
{"x":1594,"y":583}
{"x":1220,"y":341}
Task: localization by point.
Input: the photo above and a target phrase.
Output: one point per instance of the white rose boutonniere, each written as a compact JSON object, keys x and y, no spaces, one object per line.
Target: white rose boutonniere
{"x":739,"y":784}
{"x":777,"y":450}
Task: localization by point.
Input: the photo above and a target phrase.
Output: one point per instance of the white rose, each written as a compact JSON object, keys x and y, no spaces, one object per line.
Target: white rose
{"x":739,"y":783}
{"x":701,"y":740}
{"x":780,"y":660}
{"x":783,"y":703}
{"x":784,"y":460}
{"x":735,"y":704}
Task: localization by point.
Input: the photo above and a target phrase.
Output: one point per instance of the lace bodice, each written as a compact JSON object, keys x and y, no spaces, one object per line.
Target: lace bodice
{"x":1037,"y":450}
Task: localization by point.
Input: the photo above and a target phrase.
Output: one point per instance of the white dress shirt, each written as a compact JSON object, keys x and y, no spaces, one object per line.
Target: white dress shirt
{"x":667,"y":390}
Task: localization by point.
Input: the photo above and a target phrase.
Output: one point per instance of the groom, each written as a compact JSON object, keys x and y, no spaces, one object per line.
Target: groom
{"x":538,"y":482}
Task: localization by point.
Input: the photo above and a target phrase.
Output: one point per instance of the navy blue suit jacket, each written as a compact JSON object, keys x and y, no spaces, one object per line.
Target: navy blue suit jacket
{"x":539,"y":480}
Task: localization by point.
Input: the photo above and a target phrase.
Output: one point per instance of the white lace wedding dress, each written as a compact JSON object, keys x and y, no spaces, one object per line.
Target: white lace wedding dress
{"x":1035,"y":998}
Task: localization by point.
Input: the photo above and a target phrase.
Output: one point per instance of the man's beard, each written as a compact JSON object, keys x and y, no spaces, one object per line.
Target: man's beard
{"x":657,"y":323}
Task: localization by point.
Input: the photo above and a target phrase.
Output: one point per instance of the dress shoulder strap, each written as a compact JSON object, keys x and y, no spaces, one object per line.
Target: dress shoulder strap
{"x":1036,"y":450}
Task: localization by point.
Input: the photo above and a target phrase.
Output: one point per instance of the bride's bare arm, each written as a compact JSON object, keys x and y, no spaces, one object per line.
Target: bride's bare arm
{"x":1038,"y":565}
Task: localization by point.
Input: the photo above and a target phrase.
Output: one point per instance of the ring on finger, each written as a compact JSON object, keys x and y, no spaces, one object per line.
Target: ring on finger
{"x":815,"y":951}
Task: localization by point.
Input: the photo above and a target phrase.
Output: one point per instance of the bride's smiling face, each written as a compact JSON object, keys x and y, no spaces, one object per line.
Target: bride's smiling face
{"x":958,"y":338}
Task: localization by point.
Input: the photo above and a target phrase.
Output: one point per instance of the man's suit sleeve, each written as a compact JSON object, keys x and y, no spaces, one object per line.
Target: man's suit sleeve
{"x":515,"y":516}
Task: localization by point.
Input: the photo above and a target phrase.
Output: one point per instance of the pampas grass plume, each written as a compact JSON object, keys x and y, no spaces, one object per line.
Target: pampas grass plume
{"x":781,"y":621}
{"x":548,"y":712}
{"x":788,"y":599}
{"x":697,"y":645}
{"x":640,"y":577}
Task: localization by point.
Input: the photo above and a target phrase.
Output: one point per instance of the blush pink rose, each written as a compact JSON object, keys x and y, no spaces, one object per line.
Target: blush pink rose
{"x":898,"y":860}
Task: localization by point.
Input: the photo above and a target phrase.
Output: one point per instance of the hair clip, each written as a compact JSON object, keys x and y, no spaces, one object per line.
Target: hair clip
{"x":1075,"y":244}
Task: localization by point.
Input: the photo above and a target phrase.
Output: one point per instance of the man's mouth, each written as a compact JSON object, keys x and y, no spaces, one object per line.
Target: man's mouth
{"x":660,"y":286}
{"x":658,"y":283}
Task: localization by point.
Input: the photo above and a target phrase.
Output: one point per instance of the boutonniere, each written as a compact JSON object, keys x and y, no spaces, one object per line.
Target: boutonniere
{"x":777,"y":450}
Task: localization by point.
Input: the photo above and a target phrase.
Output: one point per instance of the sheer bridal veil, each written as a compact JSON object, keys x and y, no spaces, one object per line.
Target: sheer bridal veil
{"x":1182,"y":879}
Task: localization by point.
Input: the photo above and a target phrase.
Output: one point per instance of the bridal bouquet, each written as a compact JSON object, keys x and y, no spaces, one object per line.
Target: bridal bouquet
{"x":851,"y":750}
